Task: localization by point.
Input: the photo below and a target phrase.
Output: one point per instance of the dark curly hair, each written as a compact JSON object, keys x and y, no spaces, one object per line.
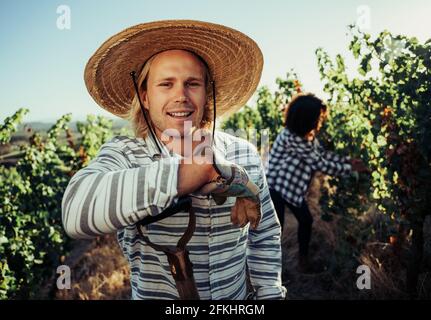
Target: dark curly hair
{"x":303,"y":113}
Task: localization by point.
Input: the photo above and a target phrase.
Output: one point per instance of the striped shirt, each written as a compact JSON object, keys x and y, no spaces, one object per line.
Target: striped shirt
{"x":292,"y":162}
{"x":124,"y":183}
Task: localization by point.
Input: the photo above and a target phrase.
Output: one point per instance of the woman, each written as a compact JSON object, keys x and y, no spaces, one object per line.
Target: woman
{"x":294,"y":157}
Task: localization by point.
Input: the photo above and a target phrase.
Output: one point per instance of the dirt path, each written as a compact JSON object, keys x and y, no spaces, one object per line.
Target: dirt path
{"x":99,"y":271}
{"x":319,"y":285}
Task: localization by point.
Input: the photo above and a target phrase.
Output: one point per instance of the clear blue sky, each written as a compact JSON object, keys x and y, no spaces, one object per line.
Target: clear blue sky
{"x":41,"y":67}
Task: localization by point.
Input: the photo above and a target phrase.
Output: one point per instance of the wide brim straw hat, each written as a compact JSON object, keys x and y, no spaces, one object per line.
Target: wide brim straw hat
{"x":234,"y":60}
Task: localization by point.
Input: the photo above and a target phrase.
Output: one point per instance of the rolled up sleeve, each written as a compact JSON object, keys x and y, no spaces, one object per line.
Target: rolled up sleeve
{"x":109,"y":194}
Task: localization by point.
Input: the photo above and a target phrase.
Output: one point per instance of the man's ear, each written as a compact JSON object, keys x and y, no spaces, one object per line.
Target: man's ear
{"x":144,"y":99}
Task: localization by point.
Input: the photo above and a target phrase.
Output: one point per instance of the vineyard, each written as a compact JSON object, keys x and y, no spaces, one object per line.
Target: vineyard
{"x":381,"y":219}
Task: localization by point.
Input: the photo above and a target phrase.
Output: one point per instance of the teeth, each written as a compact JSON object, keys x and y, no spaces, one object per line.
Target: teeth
{"x":180,"y":114}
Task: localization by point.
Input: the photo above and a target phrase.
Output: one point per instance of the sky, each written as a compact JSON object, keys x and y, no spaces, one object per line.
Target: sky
{"x":41,"y":65}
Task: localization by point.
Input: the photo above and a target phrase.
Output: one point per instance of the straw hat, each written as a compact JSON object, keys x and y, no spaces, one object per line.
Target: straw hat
{"x":235,"y":61}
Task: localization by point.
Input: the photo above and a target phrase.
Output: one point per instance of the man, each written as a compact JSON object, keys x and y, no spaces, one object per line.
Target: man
{"x":187,"y":68}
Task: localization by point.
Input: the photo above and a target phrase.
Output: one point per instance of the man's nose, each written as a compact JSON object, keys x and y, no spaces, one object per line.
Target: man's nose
{"x":181,"y":94}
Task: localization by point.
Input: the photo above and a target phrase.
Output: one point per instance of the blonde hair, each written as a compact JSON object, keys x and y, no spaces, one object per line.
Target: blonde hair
{"x":135,"y":115}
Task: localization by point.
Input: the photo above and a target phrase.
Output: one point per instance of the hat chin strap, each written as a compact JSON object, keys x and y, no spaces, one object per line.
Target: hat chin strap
{"x":214,"y":111}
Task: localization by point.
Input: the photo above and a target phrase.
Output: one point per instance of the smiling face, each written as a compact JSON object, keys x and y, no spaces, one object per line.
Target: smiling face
{"x":175,"y":92}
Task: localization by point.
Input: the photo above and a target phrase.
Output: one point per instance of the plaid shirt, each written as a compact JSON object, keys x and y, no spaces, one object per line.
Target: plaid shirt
{"x":292,"y":162}
{"x":123,"y":184}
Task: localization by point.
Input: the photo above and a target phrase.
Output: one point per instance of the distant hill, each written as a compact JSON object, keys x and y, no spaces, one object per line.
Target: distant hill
{"x":21,"y":136}
{"x":44,"y":126}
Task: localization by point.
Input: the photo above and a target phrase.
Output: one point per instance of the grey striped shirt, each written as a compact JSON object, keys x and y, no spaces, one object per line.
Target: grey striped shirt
{"x":123,"y":184}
